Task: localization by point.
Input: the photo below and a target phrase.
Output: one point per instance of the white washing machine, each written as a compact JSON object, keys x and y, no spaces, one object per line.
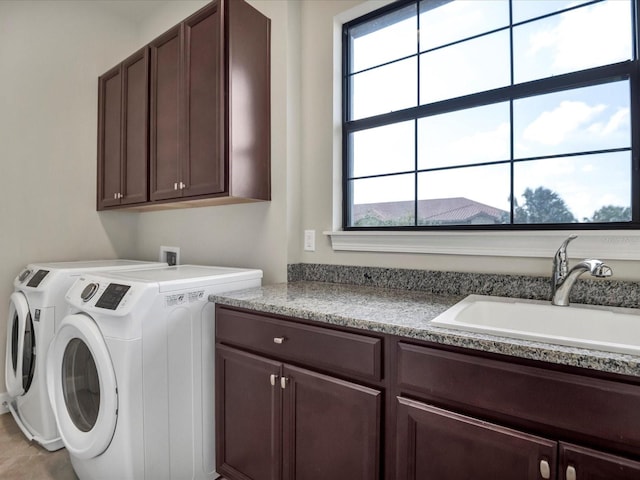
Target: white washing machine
{"x":130,"y":372}
{"x":36,"y":307}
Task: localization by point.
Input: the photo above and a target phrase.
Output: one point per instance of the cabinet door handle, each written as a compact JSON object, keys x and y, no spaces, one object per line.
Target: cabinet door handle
{"x":273,"y":379}
{"x":571,"y":473}
{"x":175,"y":186}
{"x":120,"y":195}
{"x":115,"y":196}
{"x":545,"y":470}
{"x":183,"y":186}
{"x":283,"y":382}
{"x":279,"y":340}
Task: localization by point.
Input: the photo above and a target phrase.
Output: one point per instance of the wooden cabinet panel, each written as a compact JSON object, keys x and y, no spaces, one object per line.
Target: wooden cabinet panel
{"x":248,"y":416}
{"x":165,"y":120}
{"x":579,"y":463}
{"x":322,"y":348}
{"x":249,"y":97}
{"x":109,"y":137}
{"x":203,"y":166}
{"x":122,"y":132}
{"x":332,"y":428}
{"x":135,"y":71}
{"x":593,"y":410}
{"x":435,"y":444}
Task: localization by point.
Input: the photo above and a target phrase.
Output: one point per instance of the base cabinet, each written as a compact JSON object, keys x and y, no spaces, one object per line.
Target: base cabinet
{"x":435,"y":444}
{"x":579,"y":463}
{"x":276,"y":421}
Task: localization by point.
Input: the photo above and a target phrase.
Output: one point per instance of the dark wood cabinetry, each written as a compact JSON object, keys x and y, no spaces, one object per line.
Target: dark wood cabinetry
{"x":301,"y":400}
{"x":208,"y":120}
{"x":461,"y":396}
{"x":436,"y":444}
{"x":122,"y":133}
{"x":280,"y":421}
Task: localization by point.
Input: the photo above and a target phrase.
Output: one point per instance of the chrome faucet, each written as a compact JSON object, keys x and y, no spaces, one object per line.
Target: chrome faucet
{"x":562,"y":279}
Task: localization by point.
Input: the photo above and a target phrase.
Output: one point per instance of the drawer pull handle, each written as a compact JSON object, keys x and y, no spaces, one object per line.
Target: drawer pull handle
{"x":274,"y":377}
{"x":545,"y":470}
{"x":571,"y":473}
{"x":279,"y":340}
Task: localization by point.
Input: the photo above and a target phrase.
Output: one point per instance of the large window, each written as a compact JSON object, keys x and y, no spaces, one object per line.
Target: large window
{"x":496,"y":114}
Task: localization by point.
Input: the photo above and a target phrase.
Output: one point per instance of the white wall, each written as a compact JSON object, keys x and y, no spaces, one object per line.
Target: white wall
{"x":51,"y":54}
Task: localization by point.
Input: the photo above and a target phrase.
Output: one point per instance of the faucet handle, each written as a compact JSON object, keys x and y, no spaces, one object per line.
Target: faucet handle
{"x":560,"y":266}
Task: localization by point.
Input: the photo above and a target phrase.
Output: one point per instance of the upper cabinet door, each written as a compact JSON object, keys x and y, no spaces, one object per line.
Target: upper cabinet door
{"x":165,"y":121}
{"x":135,"y":151}
{"x":203,"y":166}
{"x":109,"y":137}
{"x":123,"y":110}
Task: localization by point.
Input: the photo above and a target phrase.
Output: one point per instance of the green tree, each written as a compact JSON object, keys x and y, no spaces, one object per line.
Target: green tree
{"x":542,"y":205}
{"x":611,"y":213}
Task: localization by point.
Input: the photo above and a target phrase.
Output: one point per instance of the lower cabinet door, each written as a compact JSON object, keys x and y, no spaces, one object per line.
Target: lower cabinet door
{"x":436,"y":444}
{"x":579,"y":463}
{"x":248,"y":406}
{"x":331,"y":428}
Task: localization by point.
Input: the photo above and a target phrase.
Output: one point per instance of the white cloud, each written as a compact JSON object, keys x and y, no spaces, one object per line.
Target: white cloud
{"x":552,"y":127}
{"x":616,"y":121}
{"x":587,"y":36}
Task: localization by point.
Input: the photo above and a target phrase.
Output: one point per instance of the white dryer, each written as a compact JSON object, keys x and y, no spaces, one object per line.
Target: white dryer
{"x":130,"y":372}
{"x":36,"y":307}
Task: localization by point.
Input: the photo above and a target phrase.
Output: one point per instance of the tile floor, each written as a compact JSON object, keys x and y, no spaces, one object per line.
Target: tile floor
{"x":23,"y":460}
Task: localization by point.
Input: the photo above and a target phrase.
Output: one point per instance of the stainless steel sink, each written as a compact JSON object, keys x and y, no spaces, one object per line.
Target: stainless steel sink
{"x":610,"y":329}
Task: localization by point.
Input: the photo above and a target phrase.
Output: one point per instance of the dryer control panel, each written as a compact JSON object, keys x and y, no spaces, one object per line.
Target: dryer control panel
{"x":112,"y":296}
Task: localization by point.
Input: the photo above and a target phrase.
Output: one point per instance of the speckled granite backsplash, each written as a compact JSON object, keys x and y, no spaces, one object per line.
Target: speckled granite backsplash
{"x":598,"y":292}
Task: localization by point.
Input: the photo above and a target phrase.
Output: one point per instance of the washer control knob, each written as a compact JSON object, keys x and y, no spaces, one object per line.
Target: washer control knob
{"x":23,"y":275}
{"x":89,"y":291}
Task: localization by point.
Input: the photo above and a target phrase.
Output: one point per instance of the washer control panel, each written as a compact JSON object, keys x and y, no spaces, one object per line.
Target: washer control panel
{"x":37,"y":278}
{"x":112,"y":296}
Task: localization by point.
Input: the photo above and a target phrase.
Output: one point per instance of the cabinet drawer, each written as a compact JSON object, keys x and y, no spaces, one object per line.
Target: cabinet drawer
{"x":602,"y":412}
{"x":324,"y":348}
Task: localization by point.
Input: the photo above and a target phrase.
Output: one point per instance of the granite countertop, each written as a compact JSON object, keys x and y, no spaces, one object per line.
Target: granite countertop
{"x":408,"y":313}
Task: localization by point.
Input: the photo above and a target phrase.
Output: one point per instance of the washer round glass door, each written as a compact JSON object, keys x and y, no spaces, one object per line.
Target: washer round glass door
{"x":82,"y":386}
{"x":20,"y":361}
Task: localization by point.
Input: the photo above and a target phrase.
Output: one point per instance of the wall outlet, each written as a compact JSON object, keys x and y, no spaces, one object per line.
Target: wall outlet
{"x":310,"y":240}
{"x":171,"y":255}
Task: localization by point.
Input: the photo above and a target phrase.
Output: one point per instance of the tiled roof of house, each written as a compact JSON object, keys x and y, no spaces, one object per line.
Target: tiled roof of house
{"x":457,"y":210}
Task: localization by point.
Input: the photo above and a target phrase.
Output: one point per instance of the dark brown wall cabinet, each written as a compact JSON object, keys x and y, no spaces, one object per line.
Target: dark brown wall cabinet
{"x":280,"y":421}
{"x":209,"y":110}
{"x":123,"y":112}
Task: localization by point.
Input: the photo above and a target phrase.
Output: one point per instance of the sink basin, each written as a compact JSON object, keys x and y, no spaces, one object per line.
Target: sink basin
{"x":611,"y":329}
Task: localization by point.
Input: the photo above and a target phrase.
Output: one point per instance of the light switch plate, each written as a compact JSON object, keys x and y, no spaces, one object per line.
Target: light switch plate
{"x":310,"y":240}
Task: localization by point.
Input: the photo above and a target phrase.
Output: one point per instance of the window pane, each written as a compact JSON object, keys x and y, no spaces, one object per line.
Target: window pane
{"x":384,"y":39}
{"x":574,"y":189}
{"x":442,"y":24}
{"x":464,"y":196}
{"x":474,"y":135}
{"x":388,"y":149}
{"x":587,"y":37}
{"x":384,"y":89}
{"x":579,"y":120}
{"x":383,"y":201}
{"x":464,"y":68}
{"x":527,"y":9}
